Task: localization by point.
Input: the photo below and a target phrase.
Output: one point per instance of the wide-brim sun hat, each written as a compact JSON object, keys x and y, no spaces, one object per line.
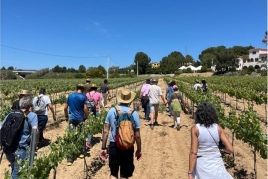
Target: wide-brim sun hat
{"x":88,"y":79}
{"x":94,"y":86}
{"x":24,"y":92}
{"x":80,"y":86}
{"x":125,"y":96}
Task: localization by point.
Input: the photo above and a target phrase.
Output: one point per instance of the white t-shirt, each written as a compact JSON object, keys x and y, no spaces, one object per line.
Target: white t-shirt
{"x":154,"y":92}
{"x":47,"y":100}
{"x":197,"y":85}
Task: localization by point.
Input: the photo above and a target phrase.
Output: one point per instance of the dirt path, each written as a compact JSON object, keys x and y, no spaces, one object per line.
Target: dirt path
{"x":165,"y":152}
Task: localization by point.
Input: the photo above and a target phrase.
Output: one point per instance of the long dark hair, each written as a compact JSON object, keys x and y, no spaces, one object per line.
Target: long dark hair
{"x":206,"y":114}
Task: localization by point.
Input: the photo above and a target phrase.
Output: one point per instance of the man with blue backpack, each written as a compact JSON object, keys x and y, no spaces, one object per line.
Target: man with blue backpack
{"x":125,"y":131}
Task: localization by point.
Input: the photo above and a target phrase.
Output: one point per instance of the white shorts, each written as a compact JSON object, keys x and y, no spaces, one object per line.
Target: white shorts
{"x":154,"y":108}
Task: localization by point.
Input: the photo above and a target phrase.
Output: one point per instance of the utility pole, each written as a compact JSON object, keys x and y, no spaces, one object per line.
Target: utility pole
{"x":108,"y":67}
{"x":137,"y":68}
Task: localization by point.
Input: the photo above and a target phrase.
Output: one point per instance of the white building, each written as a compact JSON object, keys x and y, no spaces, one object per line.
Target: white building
{"x":257,"y":58}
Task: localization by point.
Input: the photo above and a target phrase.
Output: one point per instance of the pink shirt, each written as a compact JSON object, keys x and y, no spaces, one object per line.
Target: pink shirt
{"x":144,"y":88}
{"x":97,"y":98}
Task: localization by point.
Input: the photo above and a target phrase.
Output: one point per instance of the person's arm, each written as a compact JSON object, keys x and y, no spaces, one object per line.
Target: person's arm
{"x":166,"y":93}
{"x":52,"y":111}
{"x":138,"y":141}
{"x":181,"y":99}
{"x":86,"y":111}
{"x":228,"y":146}
{"x":66,"y":112}
{"x":108,"y":91}
{"x":163,"y":99}
{"x":193,"y":151}
{"x":170,"y":98}
{"x":105,"y":134}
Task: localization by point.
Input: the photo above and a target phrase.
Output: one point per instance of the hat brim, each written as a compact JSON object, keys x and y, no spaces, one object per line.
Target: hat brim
{"x":120,"y":100}
{"x":24,"y":92}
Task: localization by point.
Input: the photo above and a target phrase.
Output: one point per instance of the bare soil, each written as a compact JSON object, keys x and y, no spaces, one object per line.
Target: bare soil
{"x":165,"y":152}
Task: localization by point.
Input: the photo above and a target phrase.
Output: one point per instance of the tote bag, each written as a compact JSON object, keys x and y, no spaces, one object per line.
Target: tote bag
{"x":176,"y":105}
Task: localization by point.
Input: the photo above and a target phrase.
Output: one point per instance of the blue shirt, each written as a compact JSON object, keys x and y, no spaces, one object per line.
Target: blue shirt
{"x":26,"y":131}
{"x":76,"y":102}
{"x":169,"y":91}
{"x":110,"y":119}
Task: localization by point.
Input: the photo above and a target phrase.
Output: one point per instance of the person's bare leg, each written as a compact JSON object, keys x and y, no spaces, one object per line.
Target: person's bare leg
{"x":112,"y":177}
{"x":156,"y":115}
{"x":152,"y":117}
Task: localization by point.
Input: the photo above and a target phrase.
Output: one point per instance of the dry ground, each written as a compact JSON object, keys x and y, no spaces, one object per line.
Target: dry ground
{"x":165,"y":152}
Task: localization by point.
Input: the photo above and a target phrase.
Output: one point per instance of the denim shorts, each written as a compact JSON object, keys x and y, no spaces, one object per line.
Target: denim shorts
{"x":121,"y":158}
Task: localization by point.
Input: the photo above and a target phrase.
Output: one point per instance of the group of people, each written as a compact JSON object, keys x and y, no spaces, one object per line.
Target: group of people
{"x":19,"y":150}
{"x":202,"y":87}
{"x":149,"y":97}
{"x":204,"y":158}
{"x":78,"y":106}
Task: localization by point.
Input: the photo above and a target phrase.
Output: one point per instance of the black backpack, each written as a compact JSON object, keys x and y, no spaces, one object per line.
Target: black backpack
{"x":104,"y":88}
{"x":12,"y":127}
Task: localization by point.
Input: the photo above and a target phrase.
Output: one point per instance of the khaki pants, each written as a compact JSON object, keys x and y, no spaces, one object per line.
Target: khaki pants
{"x":104,"y":95}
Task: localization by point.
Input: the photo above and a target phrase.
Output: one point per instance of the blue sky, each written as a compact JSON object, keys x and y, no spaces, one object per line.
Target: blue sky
{"x":45,"y":33}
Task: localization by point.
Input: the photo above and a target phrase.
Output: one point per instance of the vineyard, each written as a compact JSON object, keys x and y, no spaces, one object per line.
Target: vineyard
{"x":240,"y":101}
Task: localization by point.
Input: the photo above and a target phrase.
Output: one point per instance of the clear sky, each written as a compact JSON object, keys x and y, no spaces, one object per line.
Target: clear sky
{"x":38,"y":34}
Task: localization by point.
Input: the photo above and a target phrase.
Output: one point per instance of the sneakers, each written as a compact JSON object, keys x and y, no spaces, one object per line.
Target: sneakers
{"x":156,"y":123}
{"x":178,"y":127}
{"x":69,"y":163}
{"x":175,"y":125}
{"x":81,"y":156}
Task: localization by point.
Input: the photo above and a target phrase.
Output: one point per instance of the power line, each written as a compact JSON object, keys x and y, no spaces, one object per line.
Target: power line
{"x":41,"y":53}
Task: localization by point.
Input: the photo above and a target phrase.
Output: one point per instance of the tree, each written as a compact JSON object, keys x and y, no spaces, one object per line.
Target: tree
{"x":10,"y":68}
{"x":225,"y":59}
{"x":56,"y":69}
{"x":265,"y":38}
{"x":3,"y":68}
{"x":64,"y":69}
{"x":143,"y":61}
{"x":71,"y":70}
{"x":172,"y":62}
{"x":196,"y":63}
{"x":208,"y":59}
{"x":81,"y":69}
{"x":94,"y":73}
{"x":189,"y":59}
{"x":102,"y":69}
{"x":203,"y":69}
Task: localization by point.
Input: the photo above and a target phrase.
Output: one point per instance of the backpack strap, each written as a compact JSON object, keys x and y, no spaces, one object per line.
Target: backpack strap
{"x":118,"y":110}
{"x":130,"y":111}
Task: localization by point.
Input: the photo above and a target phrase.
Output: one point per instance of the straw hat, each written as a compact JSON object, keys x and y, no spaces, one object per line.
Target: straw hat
{"x":125,"y":96}
{"x":24,"y":92}
{"x":93,"y":86}
{"x":154,"y":80}
{"x":88,"y":80}
{"x":80,"y":86}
